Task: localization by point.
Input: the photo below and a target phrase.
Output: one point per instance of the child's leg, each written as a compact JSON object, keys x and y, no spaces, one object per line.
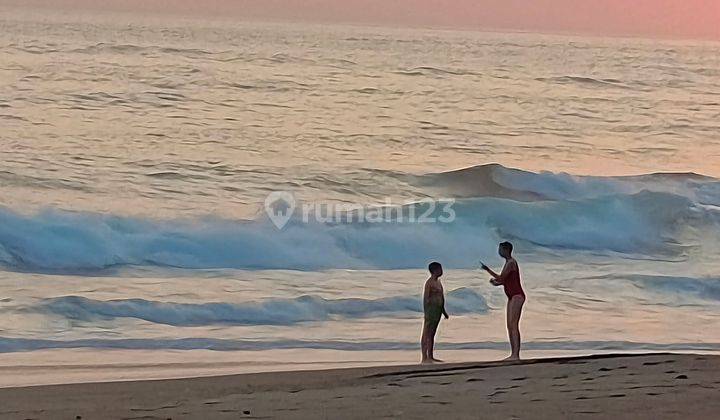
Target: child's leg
{"x":431,"y":344}
{"x":424,"y":342}
{"x":427,"y":342}
{"x":431,"y":341}
{"x":514,"y":311}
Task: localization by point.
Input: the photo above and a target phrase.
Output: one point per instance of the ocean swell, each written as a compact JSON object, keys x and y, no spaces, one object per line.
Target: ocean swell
{"x":497,"y":181}
{"x":264,"y":312}
{"x":677,"y":290}
{"x":656,"y":215}
{"x":647,"y":223}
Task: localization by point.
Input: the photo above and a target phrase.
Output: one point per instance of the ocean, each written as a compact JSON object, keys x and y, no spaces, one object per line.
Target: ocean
{"x":138,"y":154}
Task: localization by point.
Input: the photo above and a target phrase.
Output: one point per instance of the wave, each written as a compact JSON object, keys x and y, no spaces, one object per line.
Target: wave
{"x":10,"y":345}
{"x":267,"y":312}
{"x":434,"y":71}
{"x":646,"y":223}
{"x":676,"y":287}
{"x":131,"y":49}
{"x":494,"y":180}
{"x":586,"y":81}
{"x":656,"y":215}
{"x":642,"y":224}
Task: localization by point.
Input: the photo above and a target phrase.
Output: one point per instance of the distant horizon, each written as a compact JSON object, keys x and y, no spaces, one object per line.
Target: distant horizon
{"x":653,"y":19}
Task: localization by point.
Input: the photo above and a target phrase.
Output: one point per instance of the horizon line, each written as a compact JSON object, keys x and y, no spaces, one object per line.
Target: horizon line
{"x":218,"y":16}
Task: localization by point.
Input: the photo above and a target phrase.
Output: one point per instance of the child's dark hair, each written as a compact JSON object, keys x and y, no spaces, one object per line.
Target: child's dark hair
{"x":434,"y":266}
{"x":506,"y":245}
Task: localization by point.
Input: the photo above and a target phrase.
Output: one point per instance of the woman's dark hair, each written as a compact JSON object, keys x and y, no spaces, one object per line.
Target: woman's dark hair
{"x":506,"y":245}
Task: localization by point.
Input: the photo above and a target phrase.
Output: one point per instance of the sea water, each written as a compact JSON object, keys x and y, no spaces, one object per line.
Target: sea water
{"x":137,"y":154}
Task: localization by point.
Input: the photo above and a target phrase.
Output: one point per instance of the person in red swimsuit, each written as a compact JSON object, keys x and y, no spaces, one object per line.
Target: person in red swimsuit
{"x":509,"y":279}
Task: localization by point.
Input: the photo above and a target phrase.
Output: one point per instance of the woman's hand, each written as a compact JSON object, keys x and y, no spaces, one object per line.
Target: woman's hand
{"x":494,"y":282}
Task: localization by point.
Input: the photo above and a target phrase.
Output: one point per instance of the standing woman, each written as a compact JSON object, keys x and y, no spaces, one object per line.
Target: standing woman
{"x":509,"y":279}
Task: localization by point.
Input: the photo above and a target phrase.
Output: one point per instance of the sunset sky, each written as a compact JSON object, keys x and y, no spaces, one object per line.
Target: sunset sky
{"x":665,"y":18}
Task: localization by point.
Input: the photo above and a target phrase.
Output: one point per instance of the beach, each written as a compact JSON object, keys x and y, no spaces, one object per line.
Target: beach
{"x":652,"y":386}
{"x":144,"y":248}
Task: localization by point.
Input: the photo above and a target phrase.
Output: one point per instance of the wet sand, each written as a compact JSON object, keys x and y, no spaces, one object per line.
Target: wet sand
{"x":648,"y":386}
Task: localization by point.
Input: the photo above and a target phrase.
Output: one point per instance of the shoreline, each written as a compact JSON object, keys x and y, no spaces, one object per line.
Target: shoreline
{"x":650,"y":385}
{"x":80,"y":366}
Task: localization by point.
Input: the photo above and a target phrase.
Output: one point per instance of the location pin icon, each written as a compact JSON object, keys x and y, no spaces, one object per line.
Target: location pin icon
{"x":280,"y":206}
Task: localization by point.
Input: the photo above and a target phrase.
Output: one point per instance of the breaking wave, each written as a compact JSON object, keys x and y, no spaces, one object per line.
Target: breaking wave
{"x":264,"y":312}
{"x":651,"y":215}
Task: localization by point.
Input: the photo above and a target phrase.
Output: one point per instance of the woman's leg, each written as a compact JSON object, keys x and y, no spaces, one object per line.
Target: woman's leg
{"x":514,"y":310}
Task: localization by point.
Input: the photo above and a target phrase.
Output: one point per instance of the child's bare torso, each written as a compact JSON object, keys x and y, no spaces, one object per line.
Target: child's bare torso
{"x":436,"y":294}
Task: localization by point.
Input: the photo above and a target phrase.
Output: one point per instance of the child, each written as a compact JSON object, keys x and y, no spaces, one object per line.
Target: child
{"x":509,"y":279}
{"x":434,"y":308}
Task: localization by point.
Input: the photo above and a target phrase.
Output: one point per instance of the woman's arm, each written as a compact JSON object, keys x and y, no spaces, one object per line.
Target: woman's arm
{"x":507,"y":269}
{"x":490,"y":271}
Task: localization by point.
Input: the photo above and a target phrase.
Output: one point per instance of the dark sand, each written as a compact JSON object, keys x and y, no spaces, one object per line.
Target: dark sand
{"x":606,"y":386}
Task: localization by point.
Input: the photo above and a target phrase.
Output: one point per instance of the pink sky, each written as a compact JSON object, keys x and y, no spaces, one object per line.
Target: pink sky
{"x":666,"y":18}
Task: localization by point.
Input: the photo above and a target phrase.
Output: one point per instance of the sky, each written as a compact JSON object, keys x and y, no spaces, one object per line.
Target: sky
{"x":661,"y":18}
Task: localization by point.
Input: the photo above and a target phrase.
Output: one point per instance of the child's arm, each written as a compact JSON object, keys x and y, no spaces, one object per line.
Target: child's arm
{"x":426,"y":294}
{"x":445,"y":314}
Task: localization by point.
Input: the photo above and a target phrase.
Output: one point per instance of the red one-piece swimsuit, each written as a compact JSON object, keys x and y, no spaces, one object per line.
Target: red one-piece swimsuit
{"x":512,"y":285}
